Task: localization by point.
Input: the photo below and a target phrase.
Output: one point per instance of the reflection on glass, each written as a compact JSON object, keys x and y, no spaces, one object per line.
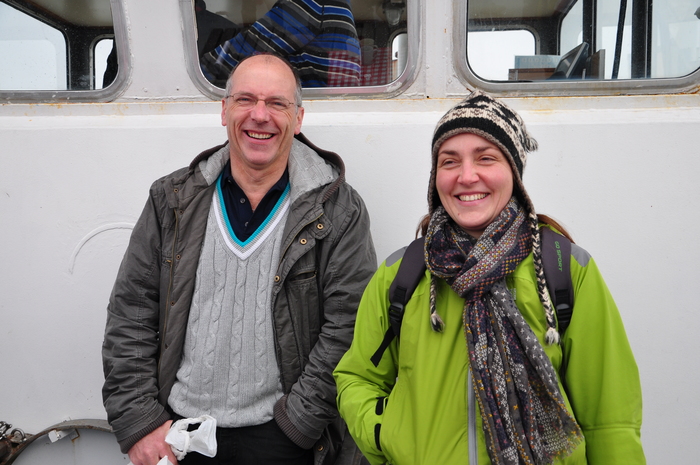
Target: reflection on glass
{"x":574,"y":42}
{"x":332,"y":43}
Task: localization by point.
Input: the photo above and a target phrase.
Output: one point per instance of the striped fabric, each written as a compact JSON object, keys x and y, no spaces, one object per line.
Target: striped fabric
{"x":317,"y":36}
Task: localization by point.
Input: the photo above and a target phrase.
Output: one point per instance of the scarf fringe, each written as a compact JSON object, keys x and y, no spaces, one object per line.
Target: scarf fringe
{"x":552,"y":336}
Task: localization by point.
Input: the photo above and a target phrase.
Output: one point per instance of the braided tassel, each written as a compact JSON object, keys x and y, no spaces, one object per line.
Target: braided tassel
{"x":435,"y":320}
{"x":552,"y":336}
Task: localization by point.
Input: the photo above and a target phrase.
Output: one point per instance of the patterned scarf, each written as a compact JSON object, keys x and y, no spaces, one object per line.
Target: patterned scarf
{"x":525,"y":419}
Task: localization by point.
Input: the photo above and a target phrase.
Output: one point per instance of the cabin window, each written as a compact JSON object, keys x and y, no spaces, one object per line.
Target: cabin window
{"x":53,"y":51}
{"x":105,"y":72}
{"x":581,"y":46}
{"x":509,"y":43}
{"x":338,"y":46}
{"x":32,"y":53}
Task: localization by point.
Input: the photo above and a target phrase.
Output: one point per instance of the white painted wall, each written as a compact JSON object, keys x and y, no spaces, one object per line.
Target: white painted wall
{"x":620,"y":172}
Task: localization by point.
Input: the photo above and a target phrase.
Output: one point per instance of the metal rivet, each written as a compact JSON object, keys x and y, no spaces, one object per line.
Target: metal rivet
{"x":319,"y":226}
{"x":177,"y":256}
{"x":277,"y":279}
{"x":303,"y":241}
{"x":175,"y":190}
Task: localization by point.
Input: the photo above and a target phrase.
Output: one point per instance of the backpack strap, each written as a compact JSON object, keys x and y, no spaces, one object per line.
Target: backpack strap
{"x":411,"y":270}
{"x":556,"y":260}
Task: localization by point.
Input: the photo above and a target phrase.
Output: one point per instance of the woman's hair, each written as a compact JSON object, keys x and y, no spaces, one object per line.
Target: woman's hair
{"x":544,"y":219}
{"x":548,"y":220}
{"x":422,"y":228}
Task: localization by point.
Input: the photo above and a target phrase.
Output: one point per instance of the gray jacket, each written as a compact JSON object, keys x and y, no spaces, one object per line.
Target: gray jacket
{"x":327,"y":258}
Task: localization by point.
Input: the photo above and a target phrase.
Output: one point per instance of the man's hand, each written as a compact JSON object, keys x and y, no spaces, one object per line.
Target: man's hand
{"x":151,"y":448}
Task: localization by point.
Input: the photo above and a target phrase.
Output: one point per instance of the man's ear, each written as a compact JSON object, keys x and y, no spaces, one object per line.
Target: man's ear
{"x":223,"y":111}
{"x":300,"y":118}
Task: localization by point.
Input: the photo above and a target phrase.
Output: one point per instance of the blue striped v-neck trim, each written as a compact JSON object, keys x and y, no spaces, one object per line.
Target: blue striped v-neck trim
{"x":243,"y":249}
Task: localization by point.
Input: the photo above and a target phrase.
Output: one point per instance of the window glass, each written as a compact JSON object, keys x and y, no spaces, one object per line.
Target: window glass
{"x":332,"y":43}
{"x":399,"y":55}
{"x":491,"y":53}
{"x":32,"y":53}
{"x":676,"y":38}
{"x":571,"y":34}
{"x":577,"y":40}
{"x":103,"y":56}
{"x":52,"y":46}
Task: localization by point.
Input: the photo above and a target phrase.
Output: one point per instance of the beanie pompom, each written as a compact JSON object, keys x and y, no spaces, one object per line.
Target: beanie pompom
{"x":530,"y":144}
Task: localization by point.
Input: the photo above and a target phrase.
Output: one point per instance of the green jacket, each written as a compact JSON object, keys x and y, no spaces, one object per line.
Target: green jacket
{"x":416,"y":406}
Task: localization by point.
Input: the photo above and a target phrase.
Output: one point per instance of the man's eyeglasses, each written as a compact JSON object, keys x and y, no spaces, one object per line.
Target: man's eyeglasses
{"x":248,"y":101}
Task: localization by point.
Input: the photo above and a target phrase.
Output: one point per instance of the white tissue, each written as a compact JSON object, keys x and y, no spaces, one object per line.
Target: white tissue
{"x":202,"y":440}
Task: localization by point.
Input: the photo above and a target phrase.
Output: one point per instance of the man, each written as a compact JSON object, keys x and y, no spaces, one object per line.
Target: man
{"x":237,"y":294}
{"x":317,"y":36}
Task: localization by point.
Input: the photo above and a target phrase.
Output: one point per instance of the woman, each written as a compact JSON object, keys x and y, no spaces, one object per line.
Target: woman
{"x":480,"y":374}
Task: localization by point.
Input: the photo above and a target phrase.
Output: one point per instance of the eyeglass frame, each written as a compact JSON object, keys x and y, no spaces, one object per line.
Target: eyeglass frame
{"x":268,"y":101}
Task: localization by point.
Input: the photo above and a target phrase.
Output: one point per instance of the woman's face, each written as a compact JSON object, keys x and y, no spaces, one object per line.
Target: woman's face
{"x":474,"y":181}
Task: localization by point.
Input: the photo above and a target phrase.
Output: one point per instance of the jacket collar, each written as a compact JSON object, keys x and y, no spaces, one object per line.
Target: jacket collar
{"x":310,"y":167}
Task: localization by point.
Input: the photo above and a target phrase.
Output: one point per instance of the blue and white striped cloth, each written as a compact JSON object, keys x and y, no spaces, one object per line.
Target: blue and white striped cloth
{"x":317,"y":36}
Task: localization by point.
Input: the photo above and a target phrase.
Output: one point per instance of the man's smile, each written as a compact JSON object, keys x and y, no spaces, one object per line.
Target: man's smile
{"x":259,"y":135}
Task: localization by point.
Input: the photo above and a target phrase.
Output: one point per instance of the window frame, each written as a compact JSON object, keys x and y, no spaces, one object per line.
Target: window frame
{"x":643,"y":86}
{"x":110,"y":93}
{"x":407,"y":77}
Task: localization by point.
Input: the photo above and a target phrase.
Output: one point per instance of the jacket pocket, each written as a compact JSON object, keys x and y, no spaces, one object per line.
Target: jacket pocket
{"x":304,"y":307}
{"x":379,"y":410}
{"x":397,"y":426}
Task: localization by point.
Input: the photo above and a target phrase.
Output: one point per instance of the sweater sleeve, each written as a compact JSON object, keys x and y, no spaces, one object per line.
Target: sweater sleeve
{"x":599,"y":370}
{"x":362,"y":387}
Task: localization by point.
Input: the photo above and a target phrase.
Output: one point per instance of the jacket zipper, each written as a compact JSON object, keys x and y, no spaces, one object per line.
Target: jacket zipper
{"x":274,"y":298}
{"x":471,"y":427}
{"x":170,"y":287}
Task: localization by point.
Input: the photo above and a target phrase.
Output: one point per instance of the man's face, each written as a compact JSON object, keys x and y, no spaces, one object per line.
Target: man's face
{"x":260,"y":138}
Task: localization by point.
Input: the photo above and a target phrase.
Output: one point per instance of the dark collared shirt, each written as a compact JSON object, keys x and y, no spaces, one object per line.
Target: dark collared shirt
{"x":243,"y":219}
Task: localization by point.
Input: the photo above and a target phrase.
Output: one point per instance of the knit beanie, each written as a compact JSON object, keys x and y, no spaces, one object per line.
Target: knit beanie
{"x":491,"y":119}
